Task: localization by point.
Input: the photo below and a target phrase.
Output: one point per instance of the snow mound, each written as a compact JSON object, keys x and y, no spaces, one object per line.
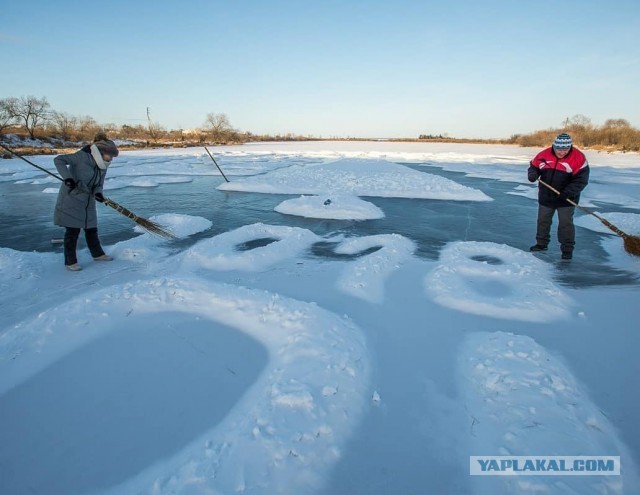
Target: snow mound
{"x":359,"y":178}
{"x":284,"y":433}
{"x":496,"y":280}
{"x":330,"y":206}
{"x":522,"y":400}
{"x":245,"y":249}
{"x":180,"y":225}
{"x":365,"y":277}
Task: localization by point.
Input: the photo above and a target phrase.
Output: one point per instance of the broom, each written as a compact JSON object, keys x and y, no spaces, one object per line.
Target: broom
{"x":148,"y":225}
{"x":631,"y":242}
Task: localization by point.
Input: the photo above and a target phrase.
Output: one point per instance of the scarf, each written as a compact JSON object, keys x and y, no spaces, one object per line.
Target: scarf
{"x":97,"y":156}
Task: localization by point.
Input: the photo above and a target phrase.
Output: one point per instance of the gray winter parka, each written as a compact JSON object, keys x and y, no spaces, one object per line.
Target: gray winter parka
{"x":77,"y":207}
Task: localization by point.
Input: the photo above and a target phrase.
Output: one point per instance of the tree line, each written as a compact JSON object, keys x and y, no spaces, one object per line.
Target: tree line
{"x":614,"y":134}
{"x":34,"y":117}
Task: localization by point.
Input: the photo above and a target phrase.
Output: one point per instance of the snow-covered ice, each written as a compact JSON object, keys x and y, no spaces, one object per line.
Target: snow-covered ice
{"x":221,"y":253}
{"x":499,"y":281}
{"x":278,"y":346}
{"x":520,"y":398}
{"x":334,"y":206}
{"x":280,"y":435}
{"x":357,"y":177}
{"x":365,"y":277}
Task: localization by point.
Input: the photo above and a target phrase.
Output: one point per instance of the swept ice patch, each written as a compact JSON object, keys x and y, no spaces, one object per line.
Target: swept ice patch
{"x":504,"y":169}
{"x":359,"y":178}
{"x":364,"y":278}
{"x":522,"y":400}
{"x":221,"y":252}
{"x":281,"y":437}
{"x":531,"y":192}
{"x":43,"y":180}
{"x":22,"y":176}
{"x":627,"y":222}
{"x":496,"y":280}
{"x":333,"y":206}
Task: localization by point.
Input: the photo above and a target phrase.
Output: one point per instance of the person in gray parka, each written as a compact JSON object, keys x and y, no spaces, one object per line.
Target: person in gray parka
{"x":83,"y":173}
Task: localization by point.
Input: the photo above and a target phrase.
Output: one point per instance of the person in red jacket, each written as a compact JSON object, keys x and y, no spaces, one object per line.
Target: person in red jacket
{"x":566,"y":169}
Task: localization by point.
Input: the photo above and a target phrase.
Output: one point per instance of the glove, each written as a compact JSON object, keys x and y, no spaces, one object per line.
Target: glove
{"x":563,"y":196}
{"x":70,"y":183}
{"x":99,"y":197}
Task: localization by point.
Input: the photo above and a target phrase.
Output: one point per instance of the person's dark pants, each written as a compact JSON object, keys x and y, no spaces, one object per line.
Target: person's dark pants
{"x":566,"y":229}
{"x":71,"y":241}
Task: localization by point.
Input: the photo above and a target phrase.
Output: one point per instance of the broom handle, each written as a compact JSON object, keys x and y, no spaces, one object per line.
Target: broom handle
{"x":214,"y":161}
{"x":121,"y":209}
{"x":586,"y":210}
{"x":31,"y":163}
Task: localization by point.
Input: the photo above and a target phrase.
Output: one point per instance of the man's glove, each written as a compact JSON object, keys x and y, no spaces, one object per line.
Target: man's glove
{"x":563,"y":196}
{"x":70,"y":183}
{"x":99,"y":197}
{"x":533,"y":174}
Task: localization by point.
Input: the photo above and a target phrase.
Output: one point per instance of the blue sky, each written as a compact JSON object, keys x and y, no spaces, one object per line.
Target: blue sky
{"x":330,"y":68}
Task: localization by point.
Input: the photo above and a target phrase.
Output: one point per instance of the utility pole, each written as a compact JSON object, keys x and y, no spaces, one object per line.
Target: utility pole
{"x":151,"y":129}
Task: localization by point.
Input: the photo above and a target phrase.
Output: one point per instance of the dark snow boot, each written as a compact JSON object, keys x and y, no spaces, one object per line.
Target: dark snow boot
{"x":538,"y":247}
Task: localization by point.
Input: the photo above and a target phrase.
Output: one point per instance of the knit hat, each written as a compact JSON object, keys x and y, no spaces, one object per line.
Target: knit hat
{"x":106,"y":146}
{"x":563,"y":142}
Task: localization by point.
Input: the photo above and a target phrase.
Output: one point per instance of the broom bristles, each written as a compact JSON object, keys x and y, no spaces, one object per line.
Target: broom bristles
{"x":154,"y":228}
{"x":632,"y":244}
{"x":148,"y":225}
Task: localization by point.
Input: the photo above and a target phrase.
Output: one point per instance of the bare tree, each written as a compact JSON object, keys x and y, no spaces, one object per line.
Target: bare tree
{"x":155,"y":130}
{"x":579,"y":120}
{"x":32,"y":112}
{"x":110,"y":128}
{"x":87,"y":128}
{"x":7,"y":117}
{"x":616,"y":123}
{"x":133,"y":132}
{"x":218,"y":125}
{"x":65,"y":125}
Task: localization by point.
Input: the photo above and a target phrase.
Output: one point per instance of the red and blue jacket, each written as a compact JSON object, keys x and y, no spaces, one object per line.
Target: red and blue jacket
{"x":569,"y":175}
